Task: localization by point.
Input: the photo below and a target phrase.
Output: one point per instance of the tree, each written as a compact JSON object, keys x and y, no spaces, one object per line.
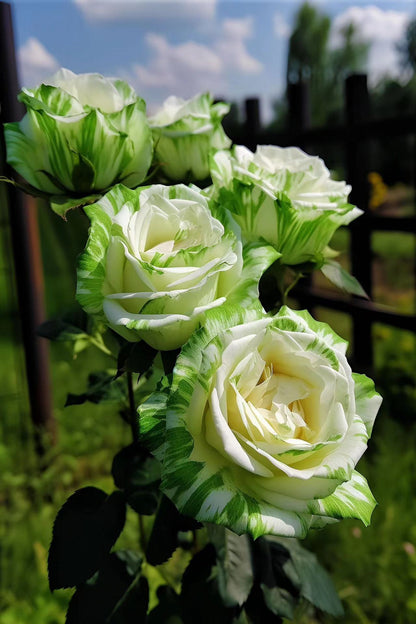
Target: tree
{"x":407,"y":48}
{"x":311,"y":58}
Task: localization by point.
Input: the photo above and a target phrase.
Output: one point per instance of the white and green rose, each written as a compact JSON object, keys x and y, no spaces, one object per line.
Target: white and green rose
{"x":185,"y":131}
{"x":159,"y":257}
{"x":81,"y":134}
{"x":263,"y":425}
{"x":282,"y":196}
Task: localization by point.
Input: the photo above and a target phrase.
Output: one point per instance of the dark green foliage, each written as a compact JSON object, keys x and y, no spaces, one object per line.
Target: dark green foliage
{"x":58,"y":329}
{"x":85,"y":529}
{"x":235,"y":567}
{"x":116,"y":594}
{"x":312,"y":59}
{"x":308,"y":43}
{"x":407,"y":48}
{"x":275,"y":589}
{"x":336,"y":274}
{"x":83,"y":172}
{"x":137,"y":472}
{"x":102,"y":387}
{"x":200,"y":599}
{"x":257,"y":610}
{"x":169,"y":360}
{"x":135,"y":357}
{"x":164,"y":536}
{"x":168,"y":611}
{"x":71,"y":326}
{"x":313,"y":583}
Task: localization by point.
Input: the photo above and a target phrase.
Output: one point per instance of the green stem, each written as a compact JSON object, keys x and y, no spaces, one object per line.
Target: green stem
{"x":289,"y":288}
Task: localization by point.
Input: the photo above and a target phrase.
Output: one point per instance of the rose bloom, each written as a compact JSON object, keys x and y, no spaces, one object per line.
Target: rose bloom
{"x":185,"y":131}
{"x":159,"y":257}
{"x":283,"y":196}
{"x":263,"y":425}
{"x":81,"y":134}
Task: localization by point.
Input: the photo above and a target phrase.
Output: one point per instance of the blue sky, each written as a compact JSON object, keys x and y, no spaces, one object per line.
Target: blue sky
{"x":234,"y":48}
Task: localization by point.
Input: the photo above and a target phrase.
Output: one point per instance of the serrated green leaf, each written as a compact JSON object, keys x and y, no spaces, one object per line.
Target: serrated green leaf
{"x":257,"y":611}
{"x":200,"y":598}
{"x":77,"y":327}
{"x":135,"y":357}
{"x":338,"y":276}
{"x":168,"y":610}
{"x":61,"y":204}
{"x":59,"y":330}
{"x":315,"y":583}
{"x":235,"y":566}
{"x":133,"y":605}
{"x":164,"y":536}
{"x":278,"y":600}
{"x":276,"y":577}
{"x":85,"y":529}
{"x":138,"y":474}
{"x":102,"y":388}
{"x":113,"y":590}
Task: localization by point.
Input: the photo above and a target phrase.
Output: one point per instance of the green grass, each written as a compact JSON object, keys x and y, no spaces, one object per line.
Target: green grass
{"x":374,"y":568}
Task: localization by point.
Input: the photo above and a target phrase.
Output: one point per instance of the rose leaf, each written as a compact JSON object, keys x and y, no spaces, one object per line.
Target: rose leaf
{"x":85,"y":529}
{"x":115,"y":594}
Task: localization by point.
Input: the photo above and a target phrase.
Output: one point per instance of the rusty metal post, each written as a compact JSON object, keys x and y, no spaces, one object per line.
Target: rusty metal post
{"x":357,"y":108}
{"x":26,"y":252}
{"x":298,"y":99}
{"x":252,"y":121}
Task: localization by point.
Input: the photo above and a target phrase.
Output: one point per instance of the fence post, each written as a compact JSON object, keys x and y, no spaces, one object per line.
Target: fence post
{"x":252,"y":121}
{"x":298,"y":100}
{"x":357,"y":109}
{"x":26,"y":251}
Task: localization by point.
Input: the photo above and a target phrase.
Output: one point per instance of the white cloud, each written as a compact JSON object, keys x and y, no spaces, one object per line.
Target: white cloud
{"x":35,"y":62}
{"x":280,"y":27}
{"x":112,"y":10}
{"x":231,"y":48}
{"x":382,"y":29}
{"x":185,"y":68}
{"x":189,"y":67}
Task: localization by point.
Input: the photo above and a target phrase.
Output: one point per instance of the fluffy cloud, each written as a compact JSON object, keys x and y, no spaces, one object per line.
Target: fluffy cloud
{"x":189,"y":67}
{"x":186,"y":68}
{"x":382,"y":29}
{"x":231,"y":49}
{"x":111,"y":10}
{"x":35,"y":62}
{"x":280,"y":27}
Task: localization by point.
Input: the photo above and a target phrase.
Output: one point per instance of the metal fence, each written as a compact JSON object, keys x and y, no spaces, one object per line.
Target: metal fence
{"x":352,"y":138}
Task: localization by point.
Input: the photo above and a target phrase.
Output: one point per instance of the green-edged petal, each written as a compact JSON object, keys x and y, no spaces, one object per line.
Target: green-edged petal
{"x":152,"y":423}
{"x":214,"y":471}
{"x":92,"y":262}
{"x":367,"y":400}
{"x":257,"y":257}
{"x":352,"y":499}
{"x":185,"y":132}
{"x":80,"y":135}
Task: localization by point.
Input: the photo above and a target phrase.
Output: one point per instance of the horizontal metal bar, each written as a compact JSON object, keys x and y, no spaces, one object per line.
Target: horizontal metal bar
{"x":371,"y":129}
{"x":396,"y":224}
{"x":356,"y":307}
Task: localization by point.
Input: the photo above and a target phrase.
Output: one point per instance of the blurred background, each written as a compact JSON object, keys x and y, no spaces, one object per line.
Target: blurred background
{"x":336,"y":78}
